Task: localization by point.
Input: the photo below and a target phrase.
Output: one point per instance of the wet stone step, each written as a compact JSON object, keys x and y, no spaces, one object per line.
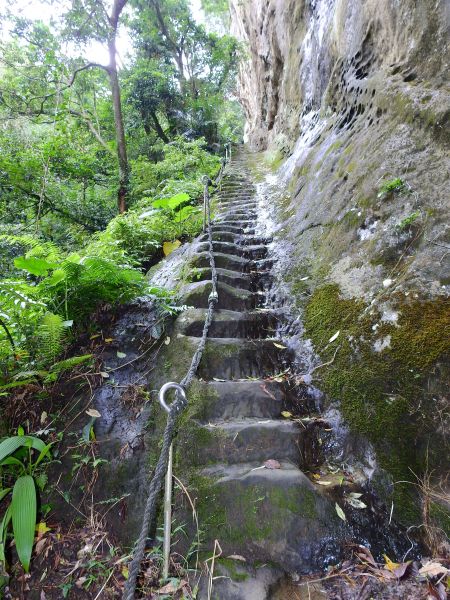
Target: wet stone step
{"x":228,"y":323}
{"x":232,"y":228}
{"x":252,"y":252}
{"x":240,"y":221}
{"x":234,"y":278}
{"x":236,"y":358}
{"x":266,"y":515}
{"x":238,"y":202}
{"x":240,"y":399}
{"x":224,"y":261}
{"x":240,"y":441}
{"x":196,"y":294}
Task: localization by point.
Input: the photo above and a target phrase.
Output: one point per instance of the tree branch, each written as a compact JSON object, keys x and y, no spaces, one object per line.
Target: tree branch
{"x":52,"y":207}
{"x":93,"y":130}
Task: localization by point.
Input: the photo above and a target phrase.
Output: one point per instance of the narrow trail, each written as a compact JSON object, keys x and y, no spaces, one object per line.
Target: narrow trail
{"x":268,"y":513}
{"x":246,"y":462}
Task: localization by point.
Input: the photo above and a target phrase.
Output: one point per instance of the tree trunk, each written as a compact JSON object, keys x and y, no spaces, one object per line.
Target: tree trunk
{"x":124,"y":175}
{"x":124,"y":172}
{"x":159,"y":130}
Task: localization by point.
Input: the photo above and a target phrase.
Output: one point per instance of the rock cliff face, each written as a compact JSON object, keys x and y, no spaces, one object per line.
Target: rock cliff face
{"x":350,"y":102}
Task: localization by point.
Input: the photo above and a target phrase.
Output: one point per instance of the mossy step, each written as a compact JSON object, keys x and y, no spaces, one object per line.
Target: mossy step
{"x":228,"y":323}
{"x":232,"y":228}
{"x":233,"y":237}
{"x":238,"y":441}
{"x":273,"y":516}
{"x":233,"y":278}
{"x":238,"y":202}
{"x":224,"y":261}
{"x":196,"y":294}
{"x":227,"y":399}
{"x":239,"y":221}
{"x":235,"y":358}
{"x":252,"y":252}
{"x":236,"y":215}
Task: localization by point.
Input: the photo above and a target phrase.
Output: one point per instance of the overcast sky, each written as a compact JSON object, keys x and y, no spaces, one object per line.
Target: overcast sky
{"x":44,"y":11}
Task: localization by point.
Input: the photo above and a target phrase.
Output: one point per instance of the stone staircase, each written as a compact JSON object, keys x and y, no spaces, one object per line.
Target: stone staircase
{"x":233,"y":424}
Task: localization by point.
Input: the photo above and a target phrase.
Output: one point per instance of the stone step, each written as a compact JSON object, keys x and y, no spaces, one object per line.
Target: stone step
{"x":237,"y":202}
{"x":250,"y":251}
{"x":232,"y":228}
{"x":229,"y":323}
{"x":239,"y":358}
{"x":253,"y":252}
{"x":224,"y":261}
{"x":273,"y":516}
{"x":234,"y":278}
{"x":239,"y":441}
{"x":237,"y":221}
{"x":234,"y":215}
{"x":239,"y":399}
{"x":196,"y":294}
{"x":235,"y":237}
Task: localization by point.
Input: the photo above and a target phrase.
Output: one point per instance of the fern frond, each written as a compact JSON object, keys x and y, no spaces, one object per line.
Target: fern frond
{"x":69,"y":363}
{"x":50,"y":334}
{"x":35,"y":247}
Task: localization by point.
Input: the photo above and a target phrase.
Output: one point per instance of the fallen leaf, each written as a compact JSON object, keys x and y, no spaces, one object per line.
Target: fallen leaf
{"x":167,"y":341}
{"x":120,"y":354}
{"x":125,"y":572}
{"x":334,"y":337}
{"x":169,"y":588}
{"x":93,"y":413}
{"x":431,"y":569}
{"x":41,"y":529}
{"x":94,"y":336}
{"x":40,"y":545}
{"x":356,"y":503}
{"x":286,"y":414}
{"x":237,"y":557}
{"x":80,"y":582}
{"x":104,"y":374}
{"x":340,"y":512}
{"x":401,"y":569}
{"x":316,"y":475}
{"x":44,"y":416}
{"x":109,"y":340}
{"x":365,"y":555}
{"x":169,"y":247}
{"x":279,"y":346}
{"x":272,"y":464}
{"x":324,"y":482}
{"x":437,"y":591}
{"x":389,"y":563}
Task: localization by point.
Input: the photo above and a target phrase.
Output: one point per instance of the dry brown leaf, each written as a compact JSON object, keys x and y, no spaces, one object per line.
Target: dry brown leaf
{"x":432,"y":569}
{"x":169,"y":588}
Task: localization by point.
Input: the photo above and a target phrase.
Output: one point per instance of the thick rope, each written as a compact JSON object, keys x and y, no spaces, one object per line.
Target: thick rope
{"x":175,"y":408}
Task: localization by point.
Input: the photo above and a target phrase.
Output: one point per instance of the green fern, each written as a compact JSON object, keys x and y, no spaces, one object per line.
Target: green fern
{"x":50,"y":336}
{"x":35,"y":247}
{"x":70,"y":363}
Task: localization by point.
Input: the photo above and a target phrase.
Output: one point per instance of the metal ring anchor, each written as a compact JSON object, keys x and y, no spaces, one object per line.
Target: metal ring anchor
{"x":171,"y":385}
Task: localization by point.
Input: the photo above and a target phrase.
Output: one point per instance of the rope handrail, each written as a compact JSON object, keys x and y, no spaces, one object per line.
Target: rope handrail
{"x":180,"y":401}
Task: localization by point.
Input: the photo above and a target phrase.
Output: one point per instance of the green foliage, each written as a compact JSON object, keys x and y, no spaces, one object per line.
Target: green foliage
{"x":50,"y":337}
{"x":20,"y":460}
{"x":395,"y":185}
{"x":405,"y":224}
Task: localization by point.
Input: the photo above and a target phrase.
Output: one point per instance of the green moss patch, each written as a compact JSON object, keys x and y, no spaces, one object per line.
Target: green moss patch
{"x":384,"y":394}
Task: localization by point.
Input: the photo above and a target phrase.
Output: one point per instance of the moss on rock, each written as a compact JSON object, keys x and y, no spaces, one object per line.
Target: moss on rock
{"x":383,"y":394}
